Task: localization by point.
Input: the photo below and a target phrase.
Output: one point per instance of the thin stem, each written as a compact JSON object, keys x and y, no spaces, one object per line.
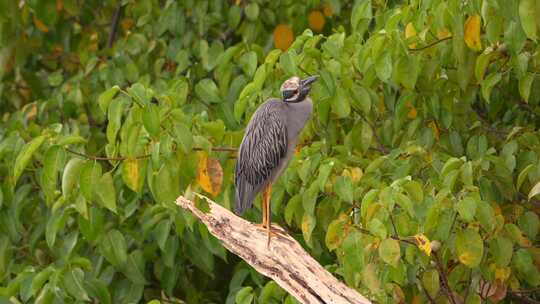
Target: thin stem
{"x":120,"y":158}
{"x":444,"y":279}
{"x":381,"y":147}
{"x":114,"y":25}
{"x":431,"y":300}
{"x":395,"y":237}
{"x":430,"y":45}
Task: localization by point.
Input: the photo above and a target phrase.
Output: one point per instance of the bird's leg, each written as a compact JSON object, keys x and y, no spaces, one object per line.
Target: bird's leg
{"x":264,"y":210}
{"x":267,"y":198}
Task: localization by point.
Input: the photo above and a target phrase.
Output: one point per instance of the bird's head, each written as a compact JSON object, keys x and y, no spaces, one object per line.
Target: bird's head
{"x":295,"y":89}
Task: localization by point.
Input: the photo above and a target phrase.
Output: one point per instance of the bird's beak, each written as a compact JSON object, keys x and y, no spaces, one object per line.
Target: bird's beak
{"x":308,"y":81}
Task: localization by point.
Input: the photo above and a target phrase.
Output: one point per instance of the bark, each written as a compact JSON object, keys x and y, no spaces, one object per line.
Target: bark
{"x":285,"y":261}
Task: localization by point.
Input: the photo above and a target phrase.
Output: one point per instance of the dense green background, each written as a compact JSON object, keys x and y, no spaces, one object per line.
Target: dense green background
{"x":415,"y":183}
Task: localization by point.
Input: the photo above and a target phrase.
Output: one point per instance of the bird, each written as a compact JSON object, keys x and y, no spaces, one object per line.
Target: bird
{"x":269,"y":143}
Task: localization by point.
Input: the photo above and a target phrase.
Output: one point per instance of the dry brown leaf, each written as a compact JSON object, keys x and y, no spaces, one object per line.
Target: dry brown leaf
{"x":209,"y":174}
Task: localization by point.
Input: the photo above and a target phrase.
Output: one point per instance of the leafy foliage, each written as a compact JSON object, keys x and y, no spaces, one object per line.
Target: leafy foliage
{"x":416,"y":180}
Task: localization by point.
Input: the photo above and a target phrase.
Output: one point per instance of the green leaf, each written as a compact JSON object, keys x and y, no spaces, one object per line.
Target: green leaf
{"x":98,"y":290}
{"x":134,"y":268}
{"x":73,"y":282}
{"x":466,"y":209}
{"x":366,"y":136}
{"x":140,"y":94}
{"x":344,"y":188}
{"x":488,"y":84}
{"x":341,"y":104}
{"x":529,"y":15}
{"x":528,"y":223}
{"x":308,"y":224}
{"x":469,"y":247}
{"x":40,"y":279}
{"x":113,"y":247}
{"x":485,"y":215}
{"x":450,"y":165}
{"x":361,"y":99}
{"x":248,"y":63}
{"x":293,"y":205}
{"x":52,"y":163}
{"x":207,"y":91}
{"x":407,"y":69}
{"x":252,"y":11}
{"x":335,"y":233}
{"x":431,"y":282}
{"x":482,"y":62}
{"x":107,"y":192}
{"x":525,"y":84}
{"x":287,"y":61}
{"x":501,"y":249}
{"x":389,"y":251}
{"x":377,"y":228}
{"x":383,"y":67}
{"x":105,"y":98}
{"x":24,"y":156}
{"x":70,"y":178}
{"x":89,"y":176}
{"x":162,"y":231}
{"x":184,"y":137}
{"x":151,"y":120}
{"x":244,"y":295}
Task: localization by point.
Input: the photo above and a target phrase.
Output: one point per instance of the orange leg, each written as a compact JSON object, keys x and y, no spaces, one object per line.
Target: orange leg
{"x":267,"y":212}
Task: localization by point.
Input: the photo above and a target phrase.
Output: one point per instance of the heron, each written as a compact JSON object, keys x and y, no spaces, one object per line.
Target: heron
{"x":269,"y":143}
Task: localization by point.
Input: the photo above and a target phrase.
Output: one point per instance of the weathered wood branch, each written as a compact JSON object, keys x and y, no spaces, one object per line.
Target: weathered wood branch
{"x":285,"y":261}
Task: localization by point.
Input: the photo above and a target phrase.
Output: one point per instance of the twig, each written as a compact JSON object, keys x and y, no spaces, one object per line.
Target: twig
{"x":522,"y":299}
{"x":431,"y":44}
{"x":114,"y":25}
{"x":92,"y":157}
{"x":381,"y":147}
{"x":431,"y":300}
{"x":395,"y":237}
{"x":120,"y":158}
{"x":444,"y":279}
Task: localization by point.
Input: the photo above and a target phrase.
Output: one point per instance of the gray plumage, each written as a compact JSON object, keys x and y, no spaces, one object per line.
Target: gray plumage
{"x":270,"y":139}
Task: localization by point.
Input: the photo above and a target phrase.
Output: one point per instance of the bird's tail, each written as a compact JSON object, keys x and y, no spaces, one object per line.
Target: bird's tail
{"x":245,"y":193}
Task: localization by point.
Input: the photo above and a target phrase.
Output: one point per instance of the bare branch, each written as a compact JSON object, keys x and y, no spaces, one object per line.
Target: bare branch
{"x":430,"y":45}
{"x":285,"y":261}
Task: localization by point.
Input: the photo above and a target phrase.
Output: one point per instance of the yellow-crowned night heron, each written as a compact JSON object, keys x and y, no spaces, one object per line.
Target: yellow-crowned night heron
{"x":269,"y":144}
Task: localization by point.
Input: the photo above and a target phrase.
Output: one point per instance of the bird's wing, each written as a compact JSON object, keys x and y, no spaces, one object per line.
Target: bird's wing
{"x":263,"y":147}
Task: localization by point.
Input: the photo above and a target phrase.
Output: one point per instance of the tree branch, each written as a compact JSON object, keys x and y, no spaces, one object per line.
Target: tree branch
{"x":285,"y":261}
{"x":114,"y":25}
{"x":430,"y":45}
{"x":120,"y":158}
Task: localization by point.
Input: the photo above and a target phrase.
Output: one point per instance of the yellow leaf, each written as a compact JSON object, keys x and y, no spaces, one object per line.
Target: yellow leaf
{"x":131,"y":173}
{"x":466,"y":258}
{"x":443,"y":33}
{"x":39,"y":24}
{"x":423,"y":243}
{"x":435,"y":129}
{"x":209,"y":174}
{"x":472,"y":33}
{"x":412,"y":110}
{"x":356,"y":174}
{"x":327,"y":10}
{"x":283,"y":36}
{"x":316,"y":20}
{"x":502,"y":274}
{"x":410,"y":32}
